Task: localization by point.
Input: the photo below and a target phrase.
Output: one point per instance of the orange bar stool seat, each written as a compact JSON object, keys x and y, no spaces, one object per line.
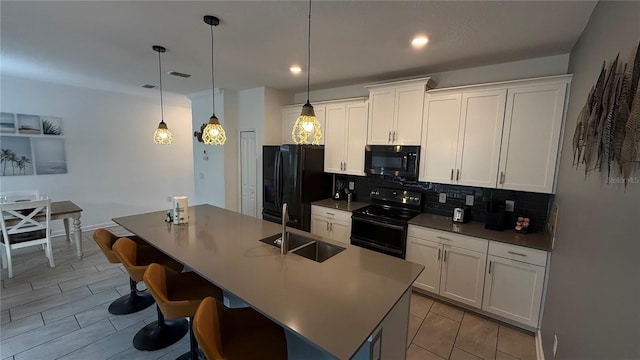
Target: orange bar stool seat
{"x":161,"y":333}
{"x":135,"y":300}
{"x":237,"y":334}
{"x":178,"y":296}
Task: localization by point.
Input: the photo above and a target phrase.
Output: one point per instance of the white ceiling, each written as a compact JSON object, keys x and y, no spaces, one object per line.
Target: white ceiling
{"x":107,"y":44}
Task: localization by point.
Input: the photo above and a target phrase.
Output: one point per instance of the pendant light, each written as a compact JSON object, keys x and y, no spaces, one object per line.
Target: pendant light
{"x":162,"y":135}
{"x":213,"y":133}
{"x":307,"y":123}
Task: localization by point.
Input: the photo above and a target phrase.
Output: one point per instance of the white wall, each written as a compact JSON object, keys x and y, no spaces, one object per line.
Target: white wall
{"x":594,"y":284}
{"x":538,"y":67}
{"x":114,"y":167}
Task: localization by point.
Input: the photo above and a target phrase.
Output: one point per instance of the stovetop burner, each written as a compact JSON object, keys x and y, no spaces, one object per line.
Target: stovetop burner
{"x":391,"y":204}
{"x":387,"y":212}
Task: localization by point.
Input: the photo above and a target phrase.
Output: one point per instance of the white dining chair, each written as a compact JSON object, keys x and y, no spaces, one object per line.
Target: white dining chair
{"x":19,"y":195}
{"x":25,"y":223}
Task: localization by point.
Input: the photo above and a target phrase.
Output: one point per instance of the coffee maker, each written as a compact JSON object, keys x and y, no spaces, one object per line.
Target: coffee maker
{"x":494,"y":219}
{"x":339,"y":194}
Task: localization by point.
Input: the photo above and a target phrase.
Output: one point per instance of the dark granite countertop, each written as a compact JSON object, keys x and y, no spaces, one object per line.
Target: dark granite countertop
{"x":539,"y":240}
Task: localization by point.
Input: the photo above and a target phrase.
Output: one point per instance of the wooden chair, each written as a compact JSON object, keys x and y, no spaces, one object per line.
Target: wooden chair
{"x":242,"y":333}
{"x":161,"y":333}
{"x":136,"y":300}
{"x":25,"y":223}
{"x":178,"y":296}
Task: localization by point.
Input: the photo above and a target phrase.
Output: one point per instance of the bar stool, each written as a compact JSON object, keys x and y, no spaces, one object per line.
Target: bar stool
{"x":178,"y":296}
{"x":136,"y":300}
{"x":240,"y":333}
{"x":161,"y":333}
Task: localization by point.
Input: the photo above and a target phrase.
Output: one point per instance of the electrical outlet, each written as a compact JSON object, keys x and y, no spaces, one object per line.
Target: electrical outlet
{"x":352,"y":186}
{"x":509,"y":205}
{"x":442,"y":198}
{"x":469,"y":200}
{"x":555,"y":345}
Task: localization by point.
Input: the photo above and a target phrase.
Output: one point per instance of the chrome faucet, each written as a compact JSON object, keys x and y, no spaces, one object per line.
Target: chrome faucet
{"x":284,"y":243}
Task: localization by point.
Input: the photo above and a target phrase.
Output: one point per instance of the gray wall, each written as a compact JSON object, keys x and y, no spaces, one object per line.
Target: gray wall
{"x":593,"y":298}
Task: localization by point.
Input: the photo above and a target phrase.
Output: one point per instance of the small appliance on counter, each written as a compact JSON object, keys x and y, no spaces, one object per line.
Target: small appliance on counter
{"x":180,"y":204}
{"x":461,"y":214}
{"x":495,"y":215}
{"x":340,"y":191}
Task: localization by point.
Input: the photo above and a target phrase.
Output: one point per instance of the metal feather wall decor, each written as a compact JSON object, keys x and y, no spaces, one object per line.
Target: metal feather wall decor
{"x":608,"y":126}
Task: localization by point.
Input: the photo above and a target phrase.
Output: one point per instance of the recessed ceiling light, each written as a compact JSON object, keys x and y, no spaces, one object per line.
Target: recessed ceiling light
{"x":295,"y":69}
{"x":419,"y":41}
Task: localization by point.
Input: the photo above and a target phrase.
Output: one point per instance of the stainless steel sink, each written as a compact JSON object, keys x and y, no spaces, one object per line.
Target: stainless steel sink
{"x":295,"y":240}
{"x":318,"y":251}
{"x":304,"y":246}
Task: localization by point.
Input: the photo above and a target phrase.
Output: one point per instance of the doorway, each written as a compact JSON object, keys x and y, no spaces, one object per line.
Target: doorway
{"x":248,"y":173}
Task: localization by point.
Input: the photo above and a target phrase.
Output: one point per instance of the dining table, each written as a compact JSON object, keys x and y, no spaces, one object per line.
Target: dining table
{"x":67,"y":211}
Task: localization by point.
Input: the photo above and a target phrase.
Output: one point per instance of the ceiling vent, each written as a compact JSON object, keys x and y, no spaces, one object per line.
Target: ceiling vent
{"x":147,"y":86}
{"x":179,"y":74}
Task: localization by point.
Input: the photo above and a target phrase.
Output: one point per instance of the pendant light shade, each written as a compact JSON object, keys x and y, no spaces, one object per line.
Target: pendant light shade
{"x":162,"y":135}
{"x":307,"y":123}
{"x":213,"y":133}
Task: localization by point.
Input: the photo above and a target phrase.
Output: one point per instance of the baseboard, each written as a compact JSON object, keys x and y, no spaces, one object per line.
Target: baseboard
{"x":85,"y":228}
{"x":539,"y":350}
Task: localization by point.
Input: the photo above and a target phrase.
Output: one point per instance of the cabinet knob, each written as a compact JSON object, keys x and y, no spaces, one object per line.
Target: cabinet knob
{"x":490,"y":262}
{"x":457,"y":174}
{"x":389,"y":136}
{"x":452,"y":174}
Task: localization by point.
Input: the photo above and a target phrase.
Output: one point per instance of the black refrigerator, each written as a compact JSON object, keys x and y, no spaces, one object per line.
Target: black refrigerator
{"x":293,"y":174}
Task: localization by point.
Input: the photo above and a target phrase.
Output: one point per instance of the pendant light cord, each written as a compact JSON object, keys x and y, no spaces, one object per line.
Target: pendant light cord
{"x":160,"y":71}
{"x":309,"y":53}
{"x":213,"y":87}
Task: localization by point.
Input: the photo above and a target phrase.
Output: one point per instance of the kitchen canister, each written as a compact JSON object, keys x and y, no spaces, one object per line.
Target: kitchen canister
{"x":179,"y":210}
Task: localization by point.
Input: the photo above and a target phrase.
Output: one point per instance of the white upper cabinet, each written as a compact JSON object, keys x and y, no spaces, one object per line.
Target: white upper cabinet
{"x":531,"y":136}
{"x":395,"y":115}
{"x":290,"y":114}
{"x":502,"y":135}
{"x":462,"y":134}
{"x":346,"y":137}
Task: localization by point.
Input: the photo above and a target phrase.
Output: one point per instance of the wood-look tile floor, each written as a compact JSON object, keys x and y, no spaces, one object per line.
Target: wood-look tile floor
{"x":61,"y":313}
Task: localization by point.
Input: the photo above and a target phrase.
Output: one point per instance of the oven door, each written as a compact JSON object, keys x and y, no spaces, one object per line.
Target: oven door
{"x":379,"y":236}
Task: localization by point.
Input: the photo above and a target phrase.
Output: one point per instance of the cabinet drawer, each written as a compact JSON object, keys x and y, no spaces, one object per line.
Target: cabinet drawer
{"x":332,"y":214}
{"x":448,"y":238}
{"x":519,"y":253}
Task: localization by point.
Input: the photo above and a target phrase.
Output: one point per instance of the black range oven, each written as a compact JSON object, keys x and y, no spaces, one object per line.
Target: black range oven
{"x":382,"y":226}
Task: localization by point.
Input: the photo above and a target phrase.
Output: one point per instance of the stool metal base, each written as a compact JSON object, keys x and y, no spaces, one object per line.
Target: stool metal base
{"x":160,"y":334}
{"x":133,"y":302}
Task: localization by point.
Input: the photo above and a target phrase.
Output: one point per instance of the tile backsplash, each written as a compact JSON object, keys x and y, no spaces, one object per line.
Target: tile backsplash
{"x":527,"y":204}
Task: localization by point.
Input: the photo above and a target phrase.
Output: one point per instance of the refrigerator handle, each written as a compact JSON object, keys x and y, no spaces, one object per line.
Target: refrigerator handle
{"x":276,"y":176}
{"x":280,"y":174}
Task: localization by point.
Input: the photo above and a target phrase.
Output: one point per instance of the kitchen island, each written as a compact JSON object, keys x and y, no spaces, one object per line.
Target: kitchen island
{"x":350,"y":306}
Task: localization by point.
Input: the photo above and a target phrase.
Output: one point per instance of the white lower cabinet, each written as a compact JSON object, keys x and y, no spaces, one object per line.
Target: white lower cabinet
{"x":514,"y":282}
{"x":331,"y":223}
{"x":454,"y":264}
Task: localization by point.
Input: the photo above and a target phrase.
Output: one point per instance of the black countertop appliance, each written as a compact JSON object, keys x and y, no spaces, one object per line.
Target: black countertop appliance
{"x":293,"y":174}
{"x":495,"y":215}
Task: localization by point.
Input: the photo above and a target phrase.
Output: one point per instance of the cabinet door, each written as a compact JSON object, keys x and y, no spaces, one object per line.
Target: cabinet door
{"x":429,"y":254}
{"x":381,"y":115}
{"x":340,"y":232}
{"x":335,"y":137}
{"x":479,"y":138}
{"x":513,"y":289}
{"x":356,"y":138}
{"x":289,"y":116}
{"x":408,"y":115}
{"x":462,"y":275}
{"x":531,"y":136}
{"x":440,"y":138}
{"x":320,"y":226}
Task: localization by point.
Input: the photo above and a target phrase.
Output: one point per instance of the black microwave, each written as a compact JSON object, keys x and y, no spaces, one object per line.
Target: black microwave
{"x":392,"y":160}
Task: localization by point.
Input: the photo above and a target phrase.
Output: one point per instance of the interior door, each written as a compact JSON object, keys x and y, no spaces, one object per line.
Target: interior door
{"x":248,"y":178}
